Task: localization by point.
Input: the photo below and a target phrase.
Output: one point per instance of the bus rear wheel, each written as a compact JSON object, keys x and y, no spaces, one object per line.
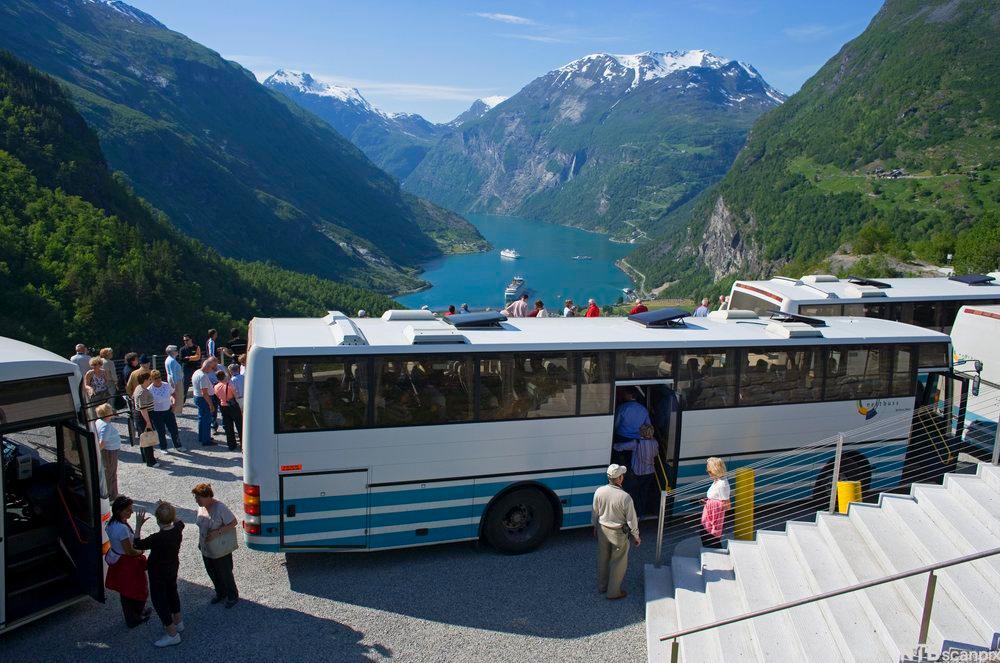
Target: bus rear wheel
{"x":519,"y":521}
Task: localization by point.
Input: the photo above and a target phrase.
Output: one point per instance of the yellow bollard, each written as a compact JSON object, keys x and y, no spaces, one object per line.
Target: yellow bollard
{"x":847,"y":492}
{"x":743,"y":504}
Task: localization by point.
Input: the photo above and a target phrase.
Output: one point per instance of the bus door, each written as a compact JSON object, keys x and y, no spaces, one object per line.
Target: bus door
{"x":660,"y":400}
{"x":938,"y":426}
{"x":324,"y":509}
{"x":79,"y":490}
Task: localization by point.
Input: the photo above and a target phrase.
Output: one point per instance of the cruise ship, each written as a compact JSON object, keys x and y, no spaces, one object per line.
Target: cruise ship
{"x":514,"y":289}
{"x":510,"y":253}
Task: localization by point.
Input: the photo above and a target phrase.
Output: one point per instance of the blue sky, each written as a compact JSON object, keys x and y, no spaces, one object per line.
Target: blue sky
{"x":436,"y":57}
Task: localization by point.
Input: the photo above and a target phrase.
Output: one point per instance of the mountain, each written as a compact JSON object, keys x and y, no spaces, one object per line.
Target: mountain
{"x":478,"y":108}
{"x":232,"y":164}
{"x":891,"y":149}
{"x":82,"y":259}
{"x":608,"y":142}
{"x":395,"y":142}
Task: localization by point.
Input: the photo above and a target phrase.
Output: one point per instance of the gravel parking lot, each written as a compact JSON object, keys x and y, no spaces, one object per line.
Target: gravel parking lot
{"x":441,"y":603}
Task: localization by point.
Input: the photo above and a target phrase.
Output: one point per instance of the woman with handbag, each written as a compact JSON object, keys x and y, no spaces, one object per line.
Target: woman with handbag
{"x":126,"y":565}
{"x":143,"y":400}
{"x":96,"y":386}
{"x":217,"y":541}
{"x":232,"y":415}
{"x":162,"y":413}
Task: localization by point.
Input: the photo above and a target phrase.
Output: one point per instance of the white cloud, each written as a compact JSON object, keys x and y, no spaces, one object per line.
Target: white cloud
{"x":398,"y":90}
{"x":505,"y":18}
{"x":544,"y":39}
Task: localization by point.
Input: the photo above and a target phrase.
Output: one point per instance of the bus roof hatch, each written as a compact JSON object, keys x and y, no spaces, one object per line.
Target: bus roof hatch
{"x":973,"y":279}
{"x":484,"y":320}
{"x":664,"y":317}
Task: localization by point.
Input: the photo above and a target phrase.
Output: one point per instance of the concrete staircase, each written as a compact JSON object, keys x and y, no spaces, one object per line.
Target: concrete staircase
{"x":899,"y":533}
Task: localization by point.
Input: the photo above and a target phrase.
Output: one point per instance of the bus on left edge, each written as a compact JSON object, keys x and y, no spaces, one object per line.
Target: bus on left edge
{"x":52,"y":539}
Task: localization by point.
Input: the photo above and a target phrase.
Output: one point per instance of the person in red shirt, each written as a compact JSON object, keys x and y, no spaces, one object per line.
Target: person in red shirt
{"x":638,"y":308}
{"x":592,"y":310}
{"x":451,"y":310}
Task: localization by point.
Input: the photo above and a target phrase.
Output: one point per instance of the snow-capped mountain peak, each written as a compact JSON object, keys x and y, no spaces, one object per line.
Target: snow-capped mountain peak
{"x":640,"y":66}
{"x":494,"y":101}
{"x":126,"y":10}
{"x":306,"y":84}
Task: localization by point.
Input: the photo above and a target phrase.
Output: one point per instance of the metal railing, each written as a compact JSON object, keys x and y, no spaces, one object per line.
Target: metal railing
{"x":925,"y":616}
{"x":792,"y":484}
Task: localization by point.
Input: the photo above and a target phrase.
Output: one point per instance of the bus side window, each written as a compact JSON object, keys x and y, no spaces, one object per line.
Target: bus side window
{"x":744,"y":301}
{"x":858,"y":373}
{"x":772,"y":376}
{"x":925,"y":314}
{"x":707,"y":379}
{"x":422,"y":389}
{"x":875,"y":311}
{"x":821,"y":309}
{"x":324,"y":394}
{"x":644,"y":365}
{"x":595,"y":383}
{"x":903,"y":382}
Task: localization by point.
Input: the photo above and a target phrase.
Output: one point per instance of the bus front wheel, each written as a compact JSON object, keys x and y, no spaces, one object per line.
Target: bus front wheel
{"x":519,"y":521}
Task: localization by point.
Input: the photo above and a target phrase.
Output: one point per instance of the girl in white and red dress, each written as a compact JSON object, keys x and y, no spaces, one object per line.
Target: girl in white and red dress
{"x":716,"y":503}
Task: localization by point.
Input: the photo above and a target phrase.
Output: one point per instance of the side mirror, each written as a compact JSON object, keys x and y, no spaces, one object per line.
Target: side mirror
{"x":975,"y":385}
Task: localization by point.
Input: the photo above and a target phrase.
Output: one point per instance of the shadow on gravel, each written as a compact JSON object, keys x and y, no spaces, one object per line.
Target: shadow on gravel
{"x":550,"y":592}
{"x":248,"y":631}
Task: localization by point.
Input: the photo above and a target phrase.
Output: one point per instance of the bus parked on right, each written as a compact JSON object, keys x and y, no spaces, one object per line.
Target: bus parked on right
{"x":931,"y":303}
{"x":977,"y":355}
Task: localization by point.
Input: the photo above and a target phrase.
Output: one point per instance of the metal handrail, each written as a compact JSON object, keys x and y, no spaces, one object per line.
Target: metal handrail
{"x":928,"y":568}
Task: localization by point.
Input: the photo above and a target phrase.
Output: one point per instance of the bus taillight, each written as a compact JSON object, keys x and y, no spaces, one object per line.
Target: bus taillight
{"x":251,"y":500}
{"x":251,"y":528}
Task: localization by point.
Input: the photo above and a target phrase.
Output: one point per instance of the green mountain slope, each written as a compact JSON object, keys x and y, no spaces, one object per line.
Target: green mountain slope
{"x":917,"y":93}
{"x":83,"y":259}
{"x":232,"y":164}
{"x":608,"y":142}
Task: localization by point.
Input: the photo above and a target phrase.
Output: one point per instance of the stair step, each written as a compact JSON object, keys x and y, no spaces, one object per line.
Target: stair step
{"x":973,"y":586}
{"x":900,"y":624}
{"x":661,"y":611}
{"x":693,"y":610}
{"x":954,"y":521}
{"x":864,"y":638}
{"x":726,"y":600}
{"x":40,"y":557}
{"x":981,"y":501}
{"x":990,"y":474}
{"x":811,"y":622}
{"x":774,"y":633}
{"x":897,"y":552}
{"x":37,"y":584}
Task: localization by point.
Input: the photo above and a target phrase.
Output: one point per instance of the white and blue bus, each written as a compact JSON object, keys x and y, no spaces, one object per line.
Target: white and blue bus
{"x":926,"y":302}
{"x":52,"y":539}
{"x":365,"y":434}
{"x":976,"y":346}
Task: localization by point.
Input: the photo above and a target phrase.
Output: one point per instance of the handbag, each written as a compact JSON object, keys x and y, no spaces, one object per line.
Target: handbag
{"x":148,"y":438}
{"x":221,"y":545}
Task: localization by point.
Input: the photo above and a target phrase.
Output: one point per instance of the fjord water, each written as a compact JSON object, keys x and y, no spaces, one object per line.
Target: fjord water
{"x":546,"y":264}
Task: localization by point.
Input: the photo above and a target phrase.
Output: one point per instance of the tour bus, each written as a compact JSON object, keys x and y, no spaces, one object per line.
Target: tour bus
{"x":977,"y":354}
{"x":364,"y":434}
{"x":55,"y":500}
{"x":925,"y":302}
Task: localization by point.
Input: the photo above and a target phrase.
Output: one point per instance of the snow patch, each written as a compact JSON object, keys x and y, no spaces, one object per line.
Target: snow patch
{"x":128,"y":11}
{"x":643,"y":66}
{"x":306,"y":84}
{"x":493,"y":101}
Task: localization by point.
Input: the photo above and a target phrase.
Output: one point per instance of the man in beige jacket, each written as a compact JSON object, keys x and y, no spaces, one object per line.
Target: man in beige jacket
{"x":613,"y":510}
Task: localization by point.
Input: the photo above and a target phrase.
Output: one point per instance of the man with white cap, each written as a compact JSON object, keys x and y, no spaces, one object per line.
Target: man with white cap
{"x":614,"y":521}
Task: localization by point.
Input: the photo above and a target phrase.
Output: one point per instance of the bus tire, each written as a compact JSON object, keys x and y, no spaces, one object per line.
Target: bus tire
{"x":519,"y":521}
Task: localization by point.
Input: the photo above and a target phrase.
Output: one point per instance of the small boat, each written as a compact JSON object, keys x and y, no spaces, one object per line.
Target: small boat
{"x":510,"y":253}
{"x":581,"y":258}
{"x":514,"y":289}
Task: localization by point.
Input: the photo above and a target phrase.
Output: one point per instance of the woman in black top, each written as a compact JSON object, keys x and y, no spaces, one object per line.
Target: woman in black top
{"x":164,"y":549}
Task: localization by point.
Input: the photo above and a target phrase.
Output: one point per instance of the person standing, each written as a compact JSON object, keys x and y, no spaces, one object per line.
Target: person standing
{"x":539,"y":310}
{"x":109,"y":441}
{"x":592,"y":310}
{"x":96,"y":386}
{"x":642,"y":469}
{"x":203,"y":401}
{"x":723,"y":305}
{"x":132,"y":380}
{"x":107,"y":356}
{"x":217,"y":541}
{"x":126,"y":565}
{"x":131,"y":364}
{"x":190,"y":355}
{"x":210,"y":348}
{"x":232,"y":416}
{"x":143,"y":400}
{"x":465,"y":308}
{"x":702,"y":311}
{"x":236,"y":379}
{"x":175,"y":376}
{"x":638,"y":308}
{"x":615,"y":522}
{"x":236,"y":344}
{"x":362,"y":313}
{"x":451,"y":310}
{"x":518,"y":308}
{"x":163,"y":411}
{"x":630,"y":417}
{"x":569,"y":309}
{"x":81,"y":358}
{"x":212,"y":376}
{"x":714,"y":504}
{"x":164,"y":549}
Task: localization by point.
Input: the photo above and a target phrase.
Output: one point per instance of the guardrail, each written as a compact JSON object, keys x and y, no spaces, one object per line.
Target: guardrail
{"x":925,"y":617}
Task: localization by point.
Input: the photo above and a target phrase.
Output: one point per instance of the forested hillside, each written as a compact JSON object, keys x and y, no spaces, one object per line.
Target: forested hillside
{"x":891,"y":149}
{"x":83,"y":259}
{"x":231,"y":163}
